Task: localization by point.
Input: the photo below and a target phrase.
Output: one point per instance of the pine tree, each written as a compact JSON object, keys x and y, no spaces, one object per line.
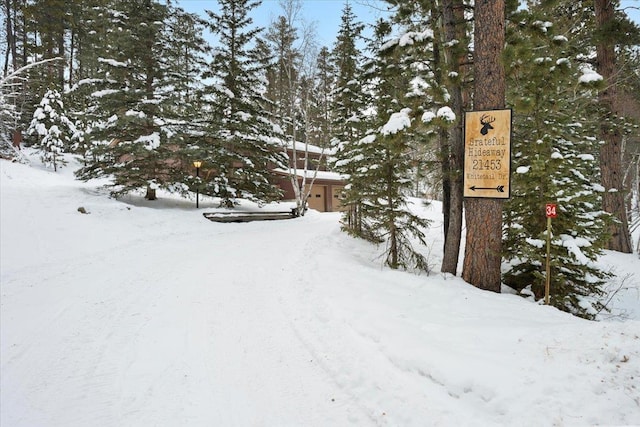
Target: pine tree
{"x":184,"y":58}
{"x":556,"y":150}
{"x":91,"y":33}
{"x":35,"y":33}
{"x":609,"y":30}
{"x":456,"y":51}
{"x":349,"y":104}
{"x":238,"y":148}
{"x":380,"y":163}
{"x":51,"y":130}
{"x":10,"y":88}
{"x":284,"y":74}
{"x":10,"y":135}
{"x":482,"y":259}
{"x":437,"y":92}
{"x":132,"y":101}
{"x":417,"y":52}
{"x":47,"y":21}
{"x":324,"y":86}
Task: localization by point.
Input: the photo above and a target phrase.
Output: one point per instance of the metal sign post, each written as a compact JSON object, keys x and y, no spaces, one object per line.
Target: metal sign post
{"x":551,"y":210}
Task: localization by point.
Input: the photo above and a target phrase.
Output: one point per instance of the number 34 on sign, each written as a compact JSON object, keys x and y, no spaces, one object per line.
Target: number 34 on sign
{"x":551,"y":210}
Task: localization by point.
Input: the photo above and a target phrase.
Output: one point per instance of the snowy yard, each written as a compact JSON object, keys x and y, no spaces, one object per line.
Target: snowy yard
{"x":146,"y":314}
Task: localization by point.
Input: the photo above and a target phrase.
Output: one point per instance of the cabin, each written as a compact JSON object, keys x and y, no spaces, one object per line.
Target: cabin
{"x":326,"y":191}
{"x":310,"y":165}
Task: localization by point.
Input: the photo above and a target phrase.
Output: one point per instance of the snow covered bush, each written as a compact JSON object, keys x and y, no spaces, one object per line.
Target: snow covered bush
{"x":51,"y":129}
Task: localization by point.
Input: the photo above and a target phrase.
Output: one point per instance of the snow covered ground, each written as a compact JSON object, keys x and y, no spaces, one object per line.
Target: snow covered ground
{"x":146,"y":314}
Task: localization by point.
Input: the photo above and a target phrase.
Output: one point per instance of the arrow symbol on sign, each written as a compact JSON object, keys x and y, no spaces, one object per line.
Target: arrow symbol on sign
{"x":499,"y":188}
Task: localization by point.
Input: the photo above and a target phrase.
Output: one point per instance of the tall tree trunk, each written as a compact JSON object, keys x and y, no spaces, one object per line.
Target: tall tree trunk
{"x":10,"y":36}
{"x":25,"y":39}
{"x":445,"y":159}
{"x":611,"y":152}
{"x":482,"y":256}
{"x":72,"y":44}
{"x":61,"y":51}
{"x":443,"y":134}
{"x":454,"y":28}
{"x":392,"y":259}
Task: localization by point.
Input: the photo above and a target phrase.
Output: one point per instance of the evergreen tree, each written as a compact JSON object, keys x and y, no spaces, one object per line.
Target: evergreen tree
{"x":90,"y":31}
{"x":238,"y":147}
{"x":185,"y":63}
{"x":324,"y":85}
{"x":91,"y":36}
{"x":46,"y":21}
{"x":434,"y":45}
{"x":483,"y":216}
{"x":51,"y":130}
{"x":555,"y":162}
{"x":284,"y":74}
{"x":12,"y":87}
{"x":380,"y":163}
{"x":9,"y":88}
{"x":35,"y":32}
{"x":132,"y":103}
{"x":349,"y":105}
{"x":456,"y":36}
{"x":612,"y":32}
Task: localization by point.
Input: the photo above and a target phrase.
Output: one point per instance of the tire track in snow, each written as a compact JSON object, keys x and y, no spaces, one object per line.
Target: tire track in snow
{"x":334,"y":345}
{"x":350,"y":350}
{"x":129,"y":337}
{"x":271,"y":357}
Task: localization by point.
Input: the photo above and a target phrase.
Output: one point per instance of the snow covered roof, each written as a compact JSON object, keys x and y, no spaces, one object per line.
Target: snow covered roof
{"x":301,"y":147}
{"x":309,"y":174}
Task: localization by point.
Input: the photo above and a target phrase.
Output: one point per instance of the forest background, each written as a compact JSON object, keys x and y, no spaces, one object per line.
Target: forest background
{"x":136,"y":90}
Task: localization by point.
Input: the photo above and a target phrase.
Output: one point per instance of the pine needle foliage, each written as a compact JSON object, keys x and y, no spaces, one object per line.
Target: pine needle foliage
{"x":51,"y":130}
{"x":238,"y":144}
{"x":380,"y":163}
{"x":133,"y":117}
{"x":349,"y":104}
{"x":555,"y":161}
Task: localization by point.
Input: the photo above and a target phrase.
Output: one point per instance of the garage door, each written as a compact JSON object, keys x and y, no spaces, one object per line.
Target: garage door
{"x":317,"y":198}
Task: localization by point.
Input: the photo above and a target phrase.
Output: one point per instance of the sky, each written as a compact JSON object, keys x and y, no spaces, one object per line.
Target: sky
{"x":326,"y":14}
{"x":632,"y":7}
{"x":323,"y":14}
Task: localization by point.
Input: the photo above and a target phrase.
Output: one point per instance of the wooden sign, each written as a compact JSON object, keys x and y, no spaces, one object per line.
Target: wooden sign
{"x":487,"y":154}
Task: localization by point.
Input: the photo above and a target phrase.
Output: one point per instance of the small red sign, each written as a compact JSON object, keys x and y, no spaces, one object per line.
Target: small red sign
{"x":552,"y":210}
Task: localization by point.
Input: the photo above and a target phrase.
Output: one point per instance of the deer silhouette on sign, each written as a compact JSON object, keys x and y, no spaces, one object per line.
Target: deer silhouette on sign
{"x":485,"y":121}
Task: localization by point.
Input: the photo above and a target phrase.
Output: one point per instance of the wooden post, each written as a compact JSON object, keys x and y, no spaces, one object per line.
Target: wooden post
{"x":547,"y":285}
{"x":551,"y":211}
